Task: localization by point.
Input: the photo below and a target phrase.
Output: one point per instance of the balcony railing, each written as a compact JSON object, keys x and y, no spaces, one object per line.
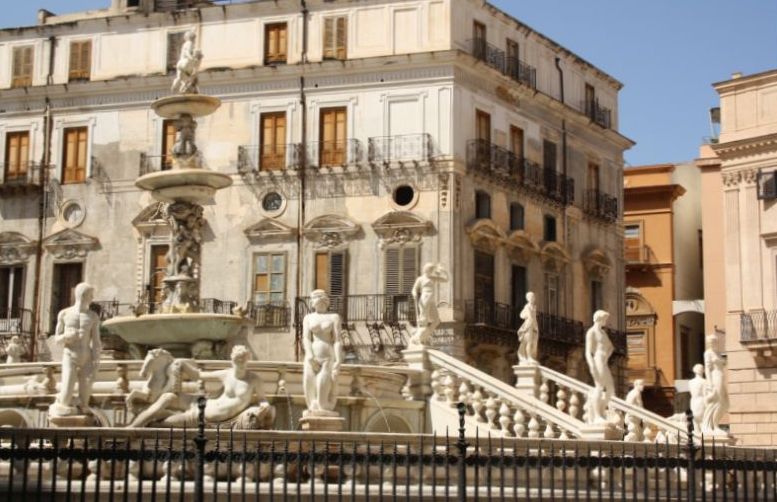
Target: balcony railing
{"x":504,"y":166}
{"x":637,"y":255}
{"x":406,"y":147}
{"x":767,"y":185}
{"x":341,"y":153}
{"x":758,"y":326}
{"x":509,"y":66}
{"x":154,"y":163}
{"x":110,"y":309}
{"x":105,"y":309}
{"x":22,"y":176}
{"x":367,"y":308}
{"x":598,"y":113}
{"x":270,"y":315}
{"x":255,"y":158}
{"x":601,"y":205}
{"x":15,"y":322}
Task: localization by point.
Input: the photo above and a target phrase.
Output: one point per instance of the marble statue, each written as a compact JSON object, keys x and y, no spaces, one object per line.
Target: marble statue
{"x":323,"y":356}
{"x":528,"y":333}
{"x":78,"y":330}
{"x":172,"y":408}
{"x":187,"y":66}
{"x":427,"y":316}
{"x":633,"y":423}
{"x":634,"y":397}
{"x":697,"y":387}
{"x":716,"y":400}
{"x":15,"y":350}
{"x":598,"y":349}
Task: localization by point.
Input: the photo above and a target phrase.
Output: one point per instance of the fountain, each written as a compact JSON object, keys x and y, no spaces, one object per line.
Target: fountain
{"x":180,"y":326}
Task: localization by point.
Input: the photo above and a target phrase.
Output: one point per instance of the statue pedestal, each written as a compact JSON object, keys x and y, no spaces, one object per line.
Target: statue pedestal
{"x":527,"y":378}
{"x":68,"y":417}
{"x":420,"y":383}
{"x":601,"y":432}
{"x":322,"y":421}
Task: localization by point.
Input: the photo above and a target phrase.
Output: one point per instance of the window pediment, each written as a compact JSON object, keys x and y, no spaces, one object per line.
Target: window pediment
{"x":486,"y":235}
{"x":520,"y":246}
{"x":639,"y":312}
{"x":400,"y":228}
{"x":554,"y":257}
{"x":69,"y":244}
{"x":331,"y":231}
{"x":15,"y":248}
{"x":269,"y":228}
{"x":597,"y":263}
{"x":151,"y":218}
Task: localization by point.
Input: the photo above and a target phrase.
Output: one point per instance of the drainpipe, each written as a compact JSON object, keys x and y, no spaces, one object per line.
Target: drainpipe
{"x":302,"y":173}
{"x":564,"y":222}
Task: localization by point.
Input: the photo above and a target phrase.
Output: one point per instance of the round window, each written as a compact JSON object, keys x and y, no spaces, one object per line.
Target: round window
{"x":404,"y":195}
{"x":273,"y":201}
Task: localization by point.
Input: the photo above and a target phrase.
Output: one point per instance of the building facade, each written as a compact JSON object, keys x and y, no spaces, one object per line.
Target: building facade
{"x":364,"y":140}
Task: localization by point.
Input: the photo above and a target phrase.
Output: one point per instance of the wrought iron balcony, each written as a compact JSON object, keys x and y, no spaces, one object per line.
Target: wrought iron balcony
{"x":758,"y":326}
{"x":341,"y":153}
{"x":105,"y":309}
{"x":401,"y":148}
{"x":503,"y":166}
{"x":15,"y":322}
{"x":366,"y":308}
{"x":767,"y":185}
{"x":256,"y":158}
{"x":22,"y":177}
{"x":270,"y":315}
{"x":508,"y":66}
{"x":112,"y":308}
{"x":598,"y":113}
{"x":520,"y":71}
{"x":601,"y":205}
{"x":154,"y":163}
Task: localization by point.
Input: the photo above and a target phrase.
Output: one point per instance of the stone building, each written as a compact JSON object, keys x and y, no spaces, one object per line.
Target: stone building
{"x":664,"y":306}
{"x":363,"y":139}
{"x":739,"y":175}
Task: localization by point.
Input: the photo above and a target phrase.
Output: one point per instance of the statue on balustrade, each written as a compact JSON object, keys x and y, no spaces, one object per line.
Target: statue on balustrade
{"x":78,"y":331}
{"x":188,"y":66}
{"x":633,"y":423}
{"x":697,"y":387}
{"x":528,"y":333}
{"x":14,"y":351}
{"x":323,"y":356}
{"x":598,"y":349}
{"x":240,"y":404}
{"x":716,"y":402}
{"x":427,"y":316}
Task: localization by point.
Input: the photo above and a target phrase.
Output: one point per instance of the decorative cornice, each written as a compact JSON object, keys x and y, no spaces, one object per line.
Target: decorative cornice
{"x":484,"y":234}
{"x":733,"y":178}
{"x":269,"y":228}
{"x":69,"y":244}
{"x":749,"y":146}
{"x":15,"y":248}
{"x":400,"y":228}
{"x":597,"y":263}
{"x":331,"y":231}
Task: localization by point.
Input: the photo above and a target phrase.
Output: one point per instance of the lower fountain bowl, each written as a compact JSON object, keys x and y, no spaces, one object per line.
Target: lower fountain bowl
{"x":184,"y":335}
{"x":191,"y":185}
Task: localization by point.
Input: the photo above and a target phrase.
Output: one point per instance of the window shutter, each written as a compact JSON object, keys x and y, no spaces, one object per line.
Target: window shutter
{"x":329,"y":38}
{"x":322,"y":271}
{"x":392,"y":274}
{"x":17,"y":63}
{"x":409,"y":269}
{"x":86,"y":58}
{"x":341,"y":38}
{"x":75,"y":58}
{"x":337,"y":274}
{"x":549,"y":155}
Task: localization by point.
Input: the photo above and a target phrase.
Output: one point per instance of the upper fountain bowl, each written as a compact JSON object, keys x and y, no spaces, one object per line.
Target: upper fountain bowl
{"x":196,"y":105}
{"x":192,"y":185}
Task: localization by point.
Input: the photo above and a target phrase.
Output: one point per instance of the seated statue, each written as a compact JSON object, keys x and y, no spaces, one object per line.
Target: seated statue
{"x":171,"y":408}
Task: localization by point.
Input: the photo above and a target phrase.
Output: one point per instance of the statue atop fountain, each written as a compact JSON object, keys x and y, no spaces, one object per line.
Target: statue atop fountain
{"x":188,"y":66}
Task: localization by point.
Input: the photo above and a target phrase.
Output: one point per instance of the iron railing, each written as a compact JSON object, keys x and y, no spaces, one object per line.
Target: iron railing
{"x":758,"y":326}
{"x":22,"y":175}
{"x":505,"y":167}
{"x":270,"y":315}
{"x":255,"y":158}
{"x":110,"y":309}
{"x":598,"y":113}
{"x":369,"y":308}
{"x":154,"y":163}
{"x":154,"y":464}
{"x":601,"y":205}
{"x":405,"y":147}
{"x":105,"y":309}
{"x":496,"y":58}
{"x":15,"y":322}
{"x":767,"y":185}
{"x":347,"y":152}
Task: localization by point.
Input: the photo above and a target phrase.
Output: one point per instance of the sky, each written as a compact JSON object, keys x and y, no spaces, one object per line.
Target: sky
{"x":667,"y":53}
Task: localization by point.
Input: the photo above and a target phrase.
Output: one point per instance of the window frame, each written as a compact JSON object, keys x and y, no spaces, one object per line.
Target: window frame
{"x":404,"y":288}
{"x":282,"y":54}
{"x":6,"y":311}
{"x":480,"y":197}
{"x":279,"y":162}
{"x":64,"y":150}
{"x":22,"y":161}
{"x":546,"y":152}
{"x":22,"y":79}
{"x":481,"y":115}
{"x":84,"y":73}
{"x":338,"y":154}
{"x":254,"y":273}
{"x":513,"y":226}
{"x":336,"y":48}
{"x":328,"y":254}
{"x":546,"y":218}
{"x":171,"y":58}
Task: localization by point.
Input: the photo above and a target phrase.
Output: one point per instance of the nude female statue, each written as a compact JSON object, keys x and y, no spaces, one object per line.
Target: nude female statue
{"x":697,"y":387}
{"x":716,"y":402}
{"x":598,"y":349}
{"x":323,"y":355}
{"x":528,"y":333}
{"x":427,"y":316}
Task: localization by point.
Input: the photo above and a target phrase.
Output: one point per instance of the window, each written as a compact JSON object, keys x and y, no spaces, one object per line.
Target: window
{"x":273,"y":142}
{"x":133,"y":3}
{"x":484,"y":278}
{"x":65,"y":278}
{"x":168,"y":142}
{"x":269,"y":278}
{"x":513,"y":57}
{"x":401,"y":270}
{"x":593,"y":176}
{"x":516,"y":216}
{"x":74,"y":155}
{"x":549,"y":229}
{"x":17,"y":155}
{"x":516,"y":141}
{"x":174,"y":43}
{"x":157,"y":273}
{"x":22,"y":67}
{"x":333,"y":137}
{"x":80,"y":60}
{"x":335,"y":38}
{"x":549,"y":155}
{"x":552,"y":294}
{"x":275,"y":43}
{"x":11,"y":282}
{"x":519,"y":286}
{"x":483,"y":126}
{"x":632,"y":237}
{"x":590,"y":100}
{"x":482,"y":205}
{"x":479,"y":43}
{"x":597,"y":297}
{"x":331,"y":273}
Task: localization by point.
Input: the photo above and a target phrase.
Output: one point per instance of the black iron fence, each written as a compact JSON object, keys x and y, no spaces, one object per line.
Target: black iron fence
{"x":405,"y":147}
{"x":601,"y":205}
{"x":334,"y":153}
{"x":758,"y":325}
{"x":200,"y":465}
{"x":507,"y":65}
{"x":367,"y":308}
{"x":270,"y":315}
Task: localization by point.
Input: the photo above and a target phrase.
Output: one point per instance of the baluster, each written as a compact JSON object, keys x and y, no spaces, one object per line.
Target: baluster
{"x":449,"y":384}
{"x":478,"y":405}
{"x":436,"y":384}
{"x":574,"y":405}
{"x":544,"y":391}
{"x":465,"y":394}
{"x":561,"y":400}
{"x":520,"y":423}
{"x":504,"y":419}
{"x":563,"y":434}
{"x":649,"y":433}
{"x":534,"y":427}
{"x":492,"y":407}
{"x":549,"y":432}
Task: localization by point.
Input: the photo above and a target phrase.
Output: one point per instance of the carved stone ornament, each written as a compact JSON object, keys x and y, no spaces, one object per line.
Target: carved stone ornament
{"x":151,"y":219}
{"x":597,"y":264}
{"x":731,"y":179}
{"x":15,"y":248}
{"x":69,"y":244}
{"x":554,"y":257}
{"x":521,"y":247}
{"x":269,"y":228}
{"x":486,"y":235}
{"x":331,"y":231}
{"x":639,"y":313}
{"x":400,"y":228}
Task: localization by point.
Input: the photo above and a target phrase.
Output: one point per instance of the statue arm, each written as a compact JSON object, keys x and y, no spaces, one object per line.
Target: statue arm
{"x":589,"y":348}
{"x":338,"y":345}
{"x":442,"y":274}
{"x":307,"y":344}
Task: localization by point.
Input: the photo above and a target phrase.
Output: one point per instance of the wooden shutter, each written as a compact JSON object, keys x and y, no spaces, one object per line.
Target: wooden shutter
{"x":329,"y":36}
{"x":516,"y":141}
{"x":22,"y":67}
{"x":275,"y":40}
{"x":483,"y":126}
{"x":333,"y":136}
{"x":593,"y":176}
{"x":273,"y":141}
{"x":335,"y":38}
{"x":158,"y":272}
{"x":74,"y":155}
{"x":331,"y":273}
{"x":80,"y":60}
{"x":17,"y":154}
{"x":400,"y":270}
{"x":342,"y":37}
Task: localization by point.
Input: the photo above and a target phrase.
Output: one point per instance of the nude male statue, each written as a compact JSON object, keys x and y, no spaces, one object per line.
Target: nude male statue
{"x":78,"y":329}
{"x":598,"y":349}
{"x":323,"y":355}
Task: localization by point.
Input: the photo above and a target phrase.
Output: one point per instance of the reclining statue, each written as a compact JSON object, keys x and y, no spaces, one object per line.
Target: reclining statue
{"x":169,"y":407}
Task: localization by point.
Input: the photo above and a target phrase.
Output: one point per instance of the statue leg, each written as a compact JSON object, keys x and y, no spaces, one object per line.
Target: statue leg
{"x":65,"y":396}
{"x":309,"y":386}
{"x":324,"y":385}
{"x":84,"y":389}
{"x":151,"y":413}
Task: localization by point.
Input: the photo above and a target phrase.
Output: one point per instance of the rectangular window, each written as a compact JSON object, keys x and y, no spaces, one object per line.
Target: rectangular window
{"x":549,"y":155}
{"x":74,"y":155}
{"x":513,"y":58}
{"x":400,"y":270}
{"x":552,"y":294}
{"x":157,"y":273}
{"x":11,"y":282}
{"x":269,"y":278}
{"x":516,"y":217}
{"x":333,"y":140}
{"x":516,"y":141}
{"x":275,"y":43}
{"x":597,"y":297}
{"x":174,"y":43}
{"x":65,"y":278}
{"x":21,"y":73}
{"x":632,"y":237}
{"x":331,"y":273}
{"x":479,"y":44}
{"x":335,"y":38}
{"x":483,"y":126}
{"x":273,"y":142}
{"x":590,"y":100}
{"x":549,"y":230}
{"x":482,"y":205}
{"x":593,"y":176}
{"x":484,"y":278}
{"x":168,"y":142}
{"x":80,"y":60}
{"x":17,"y":155}
{"x":519,"y":286}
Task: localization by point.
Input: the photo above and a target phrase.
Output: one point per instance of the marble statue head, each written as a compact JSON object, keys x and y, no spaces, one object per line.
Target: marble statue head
{"x":240,"y":354}
{"x":712,"y":341}
{"x":639,"y":384}
{"x":698,"y":370}
{"x":189,"y":35}
{"x":530,"y":297}
{"x":429,"y":268}
{"x":601,"y":317}
{"x":319,"y":297}
{"x":84,"y":293}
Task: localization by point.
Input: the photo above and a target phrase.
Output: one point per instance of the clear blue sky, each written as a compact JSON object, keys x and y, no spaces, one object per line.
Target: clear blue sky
{"x":666,"y":52}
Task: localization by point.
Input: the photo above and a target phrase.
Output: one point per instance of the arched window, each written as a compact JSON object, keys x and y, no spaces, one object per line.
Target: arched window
{"x":482,"y":205}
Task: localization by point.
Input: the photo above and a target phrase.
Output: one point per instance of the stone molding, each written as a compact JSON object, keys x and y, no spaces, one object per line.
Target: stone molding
{"x":554,"y":257}
{"x":746,"y":147}
{"x":151,"y":218}
{"x":597,"y":263}
{"x":400,"y":228}
{"x":269,"y":228}
{"x":69,"y":244}
{"x":485,"y":235}
{"x":15,"y":248}
{"x":331,"y":231}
